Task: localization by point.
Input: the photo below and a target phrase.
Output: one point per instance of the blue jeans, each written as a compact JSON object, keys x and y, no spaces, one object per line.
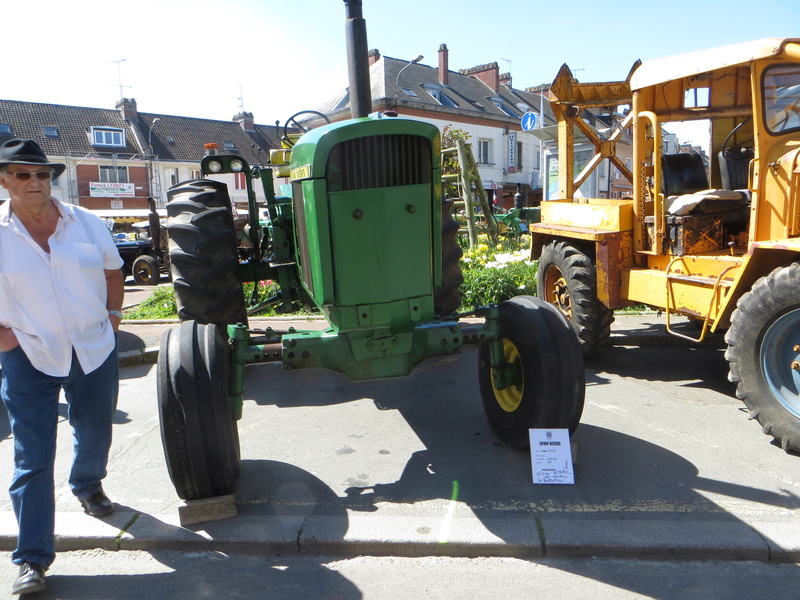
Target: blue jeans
{"x":31,"y":398}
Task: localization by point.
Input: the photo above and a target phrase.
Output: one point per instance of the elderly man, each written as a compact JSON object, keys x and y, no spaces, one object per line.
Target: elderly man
{"x":61,"y":292}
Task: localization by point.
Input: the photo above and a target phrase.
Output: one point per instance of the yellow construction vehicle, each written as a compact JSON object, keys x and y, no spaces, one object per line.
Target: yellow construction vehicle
{"x":717,"y":242}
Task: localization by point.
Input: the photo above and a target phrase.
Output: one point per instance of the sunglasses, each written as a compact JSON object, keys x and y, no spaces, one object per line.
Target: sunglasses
{"x":25,"y":175}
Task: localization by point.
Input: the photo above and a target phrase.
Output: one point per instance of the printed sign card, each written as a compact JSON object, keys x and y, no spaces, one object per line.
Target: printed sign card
{"x":551,"y":456}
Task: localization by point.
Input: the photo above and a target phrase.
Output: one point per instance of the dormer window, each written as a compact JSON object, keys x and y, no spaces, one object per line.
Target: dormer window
{"x":509,"y":112}
{"x":437,"y":94}
{"x":106,"y":136}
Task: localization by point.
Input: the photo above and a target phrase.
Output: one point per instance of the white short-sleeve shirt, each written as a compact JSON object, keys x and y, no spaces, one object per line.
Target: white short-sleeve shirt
{"x":56,"y":302}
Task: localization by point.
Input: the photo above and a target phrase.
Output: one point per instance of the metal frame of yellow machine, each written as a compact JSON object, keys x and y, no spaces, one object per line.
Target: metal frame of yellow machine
{"x":717,"y":242}
{"x":634,"y":264}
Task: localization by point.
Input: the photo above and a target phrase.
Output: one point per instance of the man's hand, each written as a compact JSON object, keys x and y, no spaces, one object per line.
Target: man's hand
{"x":8,"y":341}
{"x":115,"y":321}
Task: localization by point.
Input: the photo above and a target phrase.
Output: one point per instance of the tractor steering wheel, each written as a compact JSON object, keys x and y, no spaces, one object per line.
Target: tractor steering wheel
{"x":293,"y":122}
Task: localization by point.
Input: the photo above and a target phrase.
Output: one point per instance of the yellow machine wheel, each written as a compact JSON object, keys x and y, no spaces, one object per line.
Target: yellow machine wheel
{"x":544,"y":361}
{"x":764,"y":354}
{"x":566,"y":278}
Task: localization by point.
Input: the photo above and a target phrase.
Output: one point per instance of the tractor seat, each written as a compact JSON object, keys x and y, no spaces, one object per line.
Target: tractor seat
{"x":682,"y":173}
{"x":734,"y":164}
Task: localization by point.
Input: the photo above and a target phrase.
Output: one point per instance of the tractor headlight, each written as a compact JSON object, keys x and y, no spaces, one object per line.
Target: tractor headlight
{"x":237,"y":166}
{"x":214,"y":166}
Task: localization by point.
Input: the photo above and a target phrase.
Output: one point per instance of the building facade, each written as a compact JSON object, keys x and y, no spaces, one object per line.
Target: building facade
{"x":117,"y":159}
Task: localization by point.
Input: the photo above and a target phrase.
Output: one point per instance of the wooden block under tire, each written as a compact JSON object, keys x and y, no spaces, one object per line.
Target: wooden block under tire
{"x":192,"y":512}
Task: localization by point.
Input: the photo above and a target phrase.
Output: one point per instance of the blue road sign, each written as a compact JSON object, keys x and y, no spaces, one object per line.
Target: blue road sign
{"x":529,"y":121}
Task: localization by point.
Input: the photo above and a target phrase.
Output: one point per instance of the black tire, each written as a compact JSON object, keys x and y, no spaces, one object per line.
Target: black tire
{"x":447,"y":299}
{"x":763,"y":342}
{"x":198,"y":432}
{"x":553,"y":384}
{"x":202,"y":254}
{"x":567,"y":279}
{"x":145,"y":270}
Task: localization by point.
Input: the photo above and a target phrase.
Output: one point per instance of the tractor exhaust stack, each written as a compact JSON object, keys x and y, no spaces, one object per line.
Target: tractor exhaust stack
{"x":357,"y":60}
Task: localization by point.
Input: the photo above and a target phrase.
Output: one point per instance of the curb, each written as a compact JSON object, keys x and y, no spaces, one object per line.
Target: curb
{"x":132,"y":358}
{"x":467,"y":537}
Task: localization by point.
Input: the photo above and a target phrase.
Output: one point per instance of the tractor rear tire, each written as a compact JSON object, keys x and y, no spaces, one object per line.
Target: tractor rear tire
{"x":145,"y":270}
{"x":198,"y":431}
{"x":447,"y":299}
{"x":567,"y":279}
{"x":202,"y":254}
{"x":551,"y":389}
{"x":763,"y":354}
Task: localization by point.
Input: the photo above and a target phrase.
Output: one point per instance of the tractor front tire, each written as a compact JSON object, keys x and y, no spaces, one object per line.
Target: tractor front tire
{"x":198,"y":431}
{"x":541,"y":346}
{"x":202,"y":254}
{"x":567,"y":279}
{"x":763,"y":354}
{"x":447,"y":299}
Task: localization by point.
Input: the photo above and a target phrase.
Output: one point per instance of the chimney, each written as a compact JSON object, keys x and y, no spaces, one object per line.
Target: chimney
{"x":245,"y":119}
{"x":505,"y":79}
{"x":444,"y":65}
{"x":373,"y":56}
{"x":488,"y":74}
{"x":127,"y":106}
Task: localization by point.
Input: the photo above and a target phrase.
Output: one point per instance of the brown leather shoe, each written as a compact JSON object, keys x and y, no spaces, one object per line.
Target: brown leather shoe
{"x":30,"y":579}
{"x":97,"y":504}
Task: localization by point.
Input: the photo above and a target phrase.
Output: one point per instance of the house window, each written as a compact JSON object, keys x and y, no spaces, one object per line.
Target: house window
{"x":5,"y":129}
{"x":485,"y":152}
{"x":230,"y":146}
{"x":519,"y":156}
{"x":240,"y":182}
{"x":195,"y":174}
{"x":409,"y":92}
{"x":506,"y":109}
{"x":172,"y":176}
{"x":107,"y":137}
{"x":51,"y":132}
{"x":56,"y":182}
{"x":113,"y":174}
{"x":437,"y":94}
{"x":443,"y":99}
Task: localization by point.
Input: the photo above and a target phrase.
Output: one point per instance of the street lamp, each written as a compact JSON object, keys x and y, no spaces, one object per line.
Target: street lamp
{"x":397,"y":79}
{"x":150,"y":134}
{"x":155,"y":180}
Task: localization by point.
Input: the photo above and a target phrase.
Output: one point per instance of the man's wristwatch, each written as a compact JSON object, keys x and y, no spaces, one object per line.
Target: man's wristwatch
{"x":115,"y":313}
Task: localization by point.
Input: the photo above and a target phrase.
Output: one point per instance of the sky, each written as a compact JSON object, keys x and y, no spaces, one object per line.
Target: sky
{"x":274,"y":58}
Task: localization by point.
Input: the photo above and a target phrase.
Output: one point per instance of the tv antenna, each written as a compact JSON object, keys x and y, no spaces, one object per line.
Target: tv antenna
{"x":119,"y":77}
{"x":241,"y":99}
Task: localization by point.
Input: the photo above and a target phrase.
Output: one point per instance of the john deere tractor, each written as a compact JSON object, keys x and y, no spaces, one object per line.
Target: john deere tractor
{"x":361,"y":236}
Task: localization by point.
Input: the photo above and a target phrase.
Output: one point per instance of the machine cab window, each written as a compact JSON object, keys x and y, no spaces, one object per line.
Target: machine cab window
{"x":782,"y":98}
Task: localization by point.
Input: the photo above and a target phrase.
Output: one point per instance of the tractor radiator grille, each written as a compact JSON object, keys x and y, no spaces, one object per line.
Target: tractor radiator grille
{"x":379,"y":162}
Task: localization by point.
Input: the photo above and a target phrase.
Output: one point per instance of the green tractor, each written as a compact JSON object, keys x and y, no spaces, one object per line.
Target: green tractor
{"x":362,"y":236}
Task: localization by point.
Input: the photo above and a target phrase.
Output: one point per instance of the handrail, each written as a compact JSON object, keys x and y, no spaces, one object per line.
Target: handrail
{"x":671,"y":301}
